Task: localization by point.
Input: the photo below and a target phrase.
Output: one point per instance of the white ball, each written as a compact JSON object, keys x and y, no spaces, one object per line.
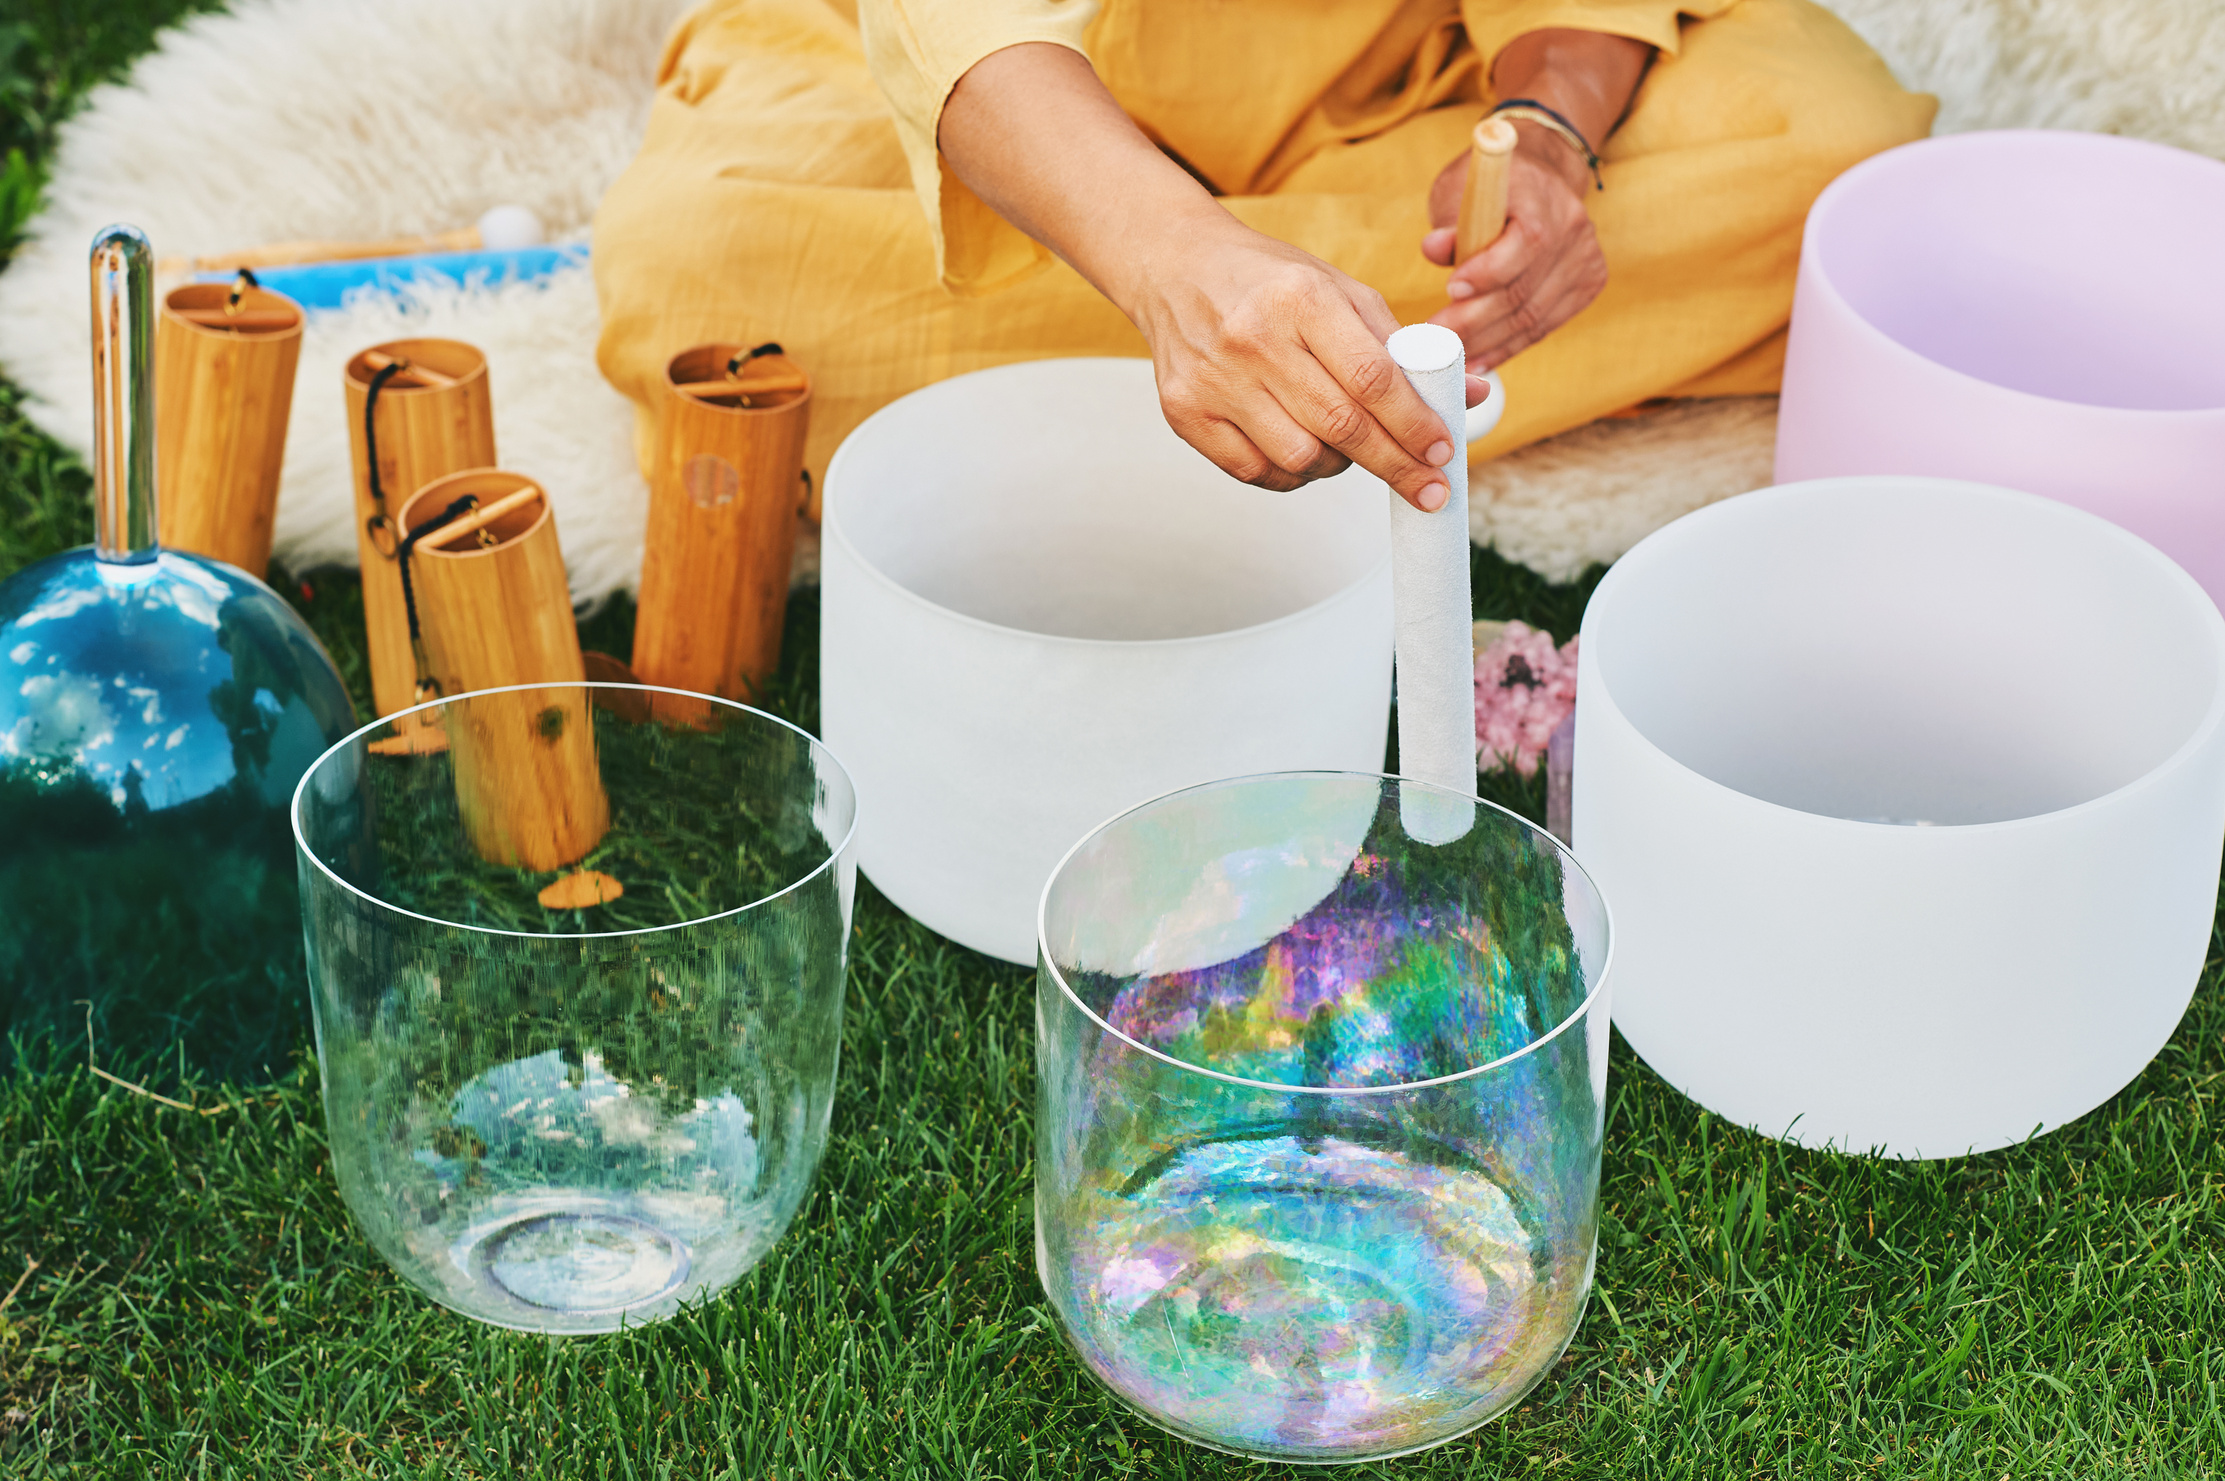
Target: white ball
{"x":507,"y":228}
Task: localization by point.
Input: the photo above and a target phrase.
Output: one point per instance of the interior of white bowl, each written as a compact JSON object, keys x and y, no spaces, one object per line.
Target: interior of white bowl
{"x":2073,"y":266}
{"x":1052,"y":497}
{"x":1907,"y":650}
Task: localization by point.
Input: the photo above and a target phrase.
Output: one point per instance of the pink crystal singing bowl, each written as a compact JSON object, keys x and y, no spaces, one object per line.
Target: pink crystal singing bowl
{"x":2034,"y":308}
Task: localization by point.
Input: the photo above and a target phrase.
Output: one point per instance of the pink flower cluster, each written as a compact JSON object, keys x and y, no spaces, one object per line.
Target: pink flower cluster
{"x":1525,"y":687}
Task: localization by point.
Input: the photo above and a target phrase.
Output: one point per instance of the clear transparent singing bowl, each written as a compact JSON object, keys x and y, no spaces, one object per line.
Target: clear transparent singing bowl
{"x":1320,"y":1111}
{"x":568,"y":1120}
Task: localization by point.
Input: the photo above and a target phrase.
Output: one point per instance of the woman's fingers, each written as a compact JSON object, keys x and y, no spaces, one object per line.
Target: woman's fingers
{"x":1285,"y":439}
{"x":1232,"y":450}
{"x":1510,"y":319}
{"x":1309,"y":431}
{"x":1525,"y":293}
{"x":1520,"y":249}
{"x":1272,"y":364}
{"x":1295,"y":384}
{"x":1347,"y":428}
{"x":1540,"y":272}
{"x":1365,"y":407}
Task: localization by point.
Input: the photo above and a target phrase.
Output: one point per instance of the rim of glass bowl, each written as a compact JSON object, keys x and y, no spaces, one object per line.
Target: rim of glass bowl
{"x":1568,"y":860}
{"x":293,"y":811}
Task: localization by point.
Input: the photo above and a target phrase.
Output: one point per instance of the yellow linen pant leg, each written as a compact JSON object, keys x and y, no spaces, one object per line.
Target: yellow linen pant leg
{"x":770,"y":201}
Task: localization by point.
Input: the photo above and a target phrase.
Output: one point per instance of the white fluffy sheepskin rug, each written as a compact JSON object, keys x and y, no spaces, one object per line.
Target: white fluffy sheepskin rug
{"x":289,"y":119}
{"x":329,"y":118}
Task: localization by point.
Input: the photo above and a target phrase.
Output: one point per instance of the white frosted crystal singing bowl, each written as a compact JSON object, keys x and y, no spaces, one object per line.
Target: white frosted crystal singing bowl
{"x":1908,"y":794}
{"x":1040,"y":607}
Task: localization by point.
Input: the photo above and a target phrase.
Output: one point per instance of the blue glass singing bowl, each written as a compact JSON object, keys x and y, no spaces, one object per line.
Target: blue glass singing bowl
{"x":155,"y":714}
{"x":1318,"y":1136}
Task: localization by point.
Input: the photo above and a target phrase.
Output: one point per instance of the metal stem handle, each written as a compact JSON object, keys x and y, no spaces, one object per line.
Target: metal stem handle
{"x":123,"y":396}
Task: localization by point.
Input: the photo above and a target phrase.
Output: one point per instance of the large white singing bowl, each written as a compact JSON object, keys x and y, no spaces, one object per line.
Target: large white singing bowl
{"x":1040,"y":608}
{"x":2035,"y":308}
{"x":1908,"y":795}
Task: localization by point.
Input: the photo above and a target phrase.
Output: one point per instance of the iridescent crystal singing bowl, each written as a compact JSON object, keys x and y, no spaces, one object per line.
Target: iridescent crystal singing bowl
{"x":1320,"y":1113}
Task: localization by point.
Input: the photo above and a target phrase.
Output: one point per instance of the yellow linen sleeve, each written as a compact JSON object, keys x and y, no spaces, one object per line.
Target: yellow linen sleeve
{"x":917,"y":50}
{"x":1493,"y":23}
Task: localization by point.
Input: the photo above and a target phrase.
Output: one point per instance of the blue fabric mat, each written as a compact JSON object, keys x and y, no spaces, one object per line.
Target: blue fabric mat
{"x":327,"y":285}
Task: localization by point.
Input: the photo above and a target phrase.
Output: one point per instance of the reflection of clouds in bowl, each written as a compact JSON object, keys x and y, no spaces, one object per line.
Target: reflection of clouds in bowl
{"x":162,"y":682}
{"x":118,"y":733}
{"x":546,"y":1099}
{"x":586,"y":1170}
{"x":60,"y":711}
{"x":67,"y":602}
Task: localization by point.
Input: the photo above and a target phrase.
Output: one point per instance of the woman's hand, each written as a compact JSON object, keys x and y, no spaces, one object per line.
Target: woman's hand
{"x":1543,"y":269}
{"x":1270,"y":362}
{"x":1547,"y":264}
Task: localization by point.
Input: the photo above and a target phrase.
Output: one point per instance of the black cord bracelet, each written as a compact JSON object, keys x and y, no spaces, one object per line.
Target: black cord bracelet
{"x":1574,"y":134}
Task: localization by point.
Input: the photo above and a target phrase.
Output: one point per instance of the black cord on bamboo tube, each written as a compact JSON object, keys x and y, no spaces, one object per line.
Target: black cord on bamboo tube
{"x":378,"y":524}
{"x":734,"y":366}
{"x":455,"y":511}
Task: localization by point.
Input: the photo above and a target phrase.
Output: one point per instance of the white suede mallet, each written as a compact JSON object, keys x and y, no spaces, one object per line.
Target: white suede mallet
{"x":1429,"y":584}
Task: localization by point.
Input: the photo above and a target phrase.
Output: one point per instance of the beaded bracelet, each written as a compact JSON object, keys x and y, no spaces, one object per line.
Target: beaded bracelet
{"x":1537,"y":112}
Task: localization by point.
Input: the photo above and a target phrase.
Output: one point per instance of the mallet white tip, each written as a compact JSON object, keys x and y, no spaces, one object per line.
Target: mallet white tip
{"x":1419,"y":349}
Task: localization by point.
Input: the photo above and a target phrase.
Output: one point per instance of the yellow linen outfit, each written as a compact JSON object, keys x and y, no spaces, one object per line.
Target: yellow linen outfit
{"x":788,"y":187}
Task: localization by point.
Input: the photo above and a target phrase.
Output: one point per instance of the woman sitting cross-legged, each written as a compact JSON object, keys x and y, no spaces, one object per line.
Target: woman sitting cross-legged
{"x":1252,"y":192}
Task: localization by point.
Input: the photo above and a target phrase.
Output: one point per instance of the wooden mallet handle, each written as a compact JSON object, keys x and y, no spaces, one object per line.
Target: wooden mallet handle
{"x":1483,"y":200}
{"x":287,"y":254}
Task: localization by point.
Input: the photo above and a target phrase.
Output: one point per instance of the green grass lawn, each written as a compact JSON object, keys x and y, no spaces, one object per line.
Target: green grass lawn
{"x":200,"y":1304}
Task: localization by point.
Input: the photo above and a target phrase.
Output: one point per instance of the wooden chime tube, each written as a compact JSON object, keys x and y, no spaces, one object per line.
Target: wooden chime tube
{"x":430,"y":421}
{"x":726,"y":487}
{"x":494,"y":610}
{"x":224,"y":392}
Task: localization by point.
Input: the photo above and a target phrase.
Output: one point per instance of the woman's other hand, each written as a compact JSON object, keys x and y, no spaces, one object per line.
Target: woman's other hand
{"x":1540,"y":272}
{"x":1547,"y":264}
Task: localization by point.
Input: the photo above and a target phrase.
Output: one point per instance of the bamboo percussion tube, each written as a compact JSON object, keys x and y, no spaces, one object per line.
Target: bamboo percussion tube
{"x":494,"y":610}
{"x":224,"y":390}
{"x":1483,"y":200}
{"x":726,"y":485}
{"x":425,"y":425}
